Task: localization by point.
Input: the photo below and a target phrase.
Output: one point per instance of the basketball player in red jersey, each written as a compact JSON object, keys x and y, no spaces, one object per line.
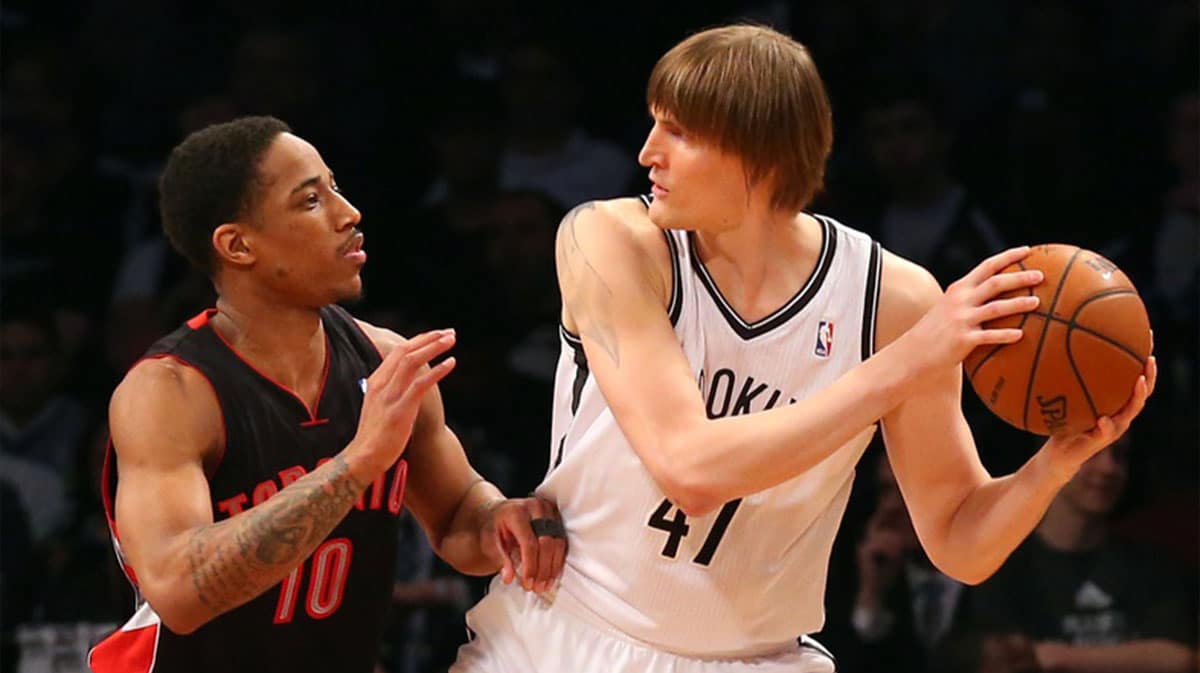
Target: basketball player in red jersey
{"x":262,"y":452}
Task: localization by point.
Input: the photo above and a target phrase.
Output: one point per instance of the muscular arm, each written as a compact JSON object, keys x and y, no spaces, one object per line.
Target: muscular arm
{"x":612,"y":272}
{"x":165,"y":421}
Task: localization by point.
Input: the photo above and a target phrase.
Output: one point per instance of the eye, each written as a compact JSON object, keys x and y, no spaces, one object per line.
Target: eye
{"x":312,"y":200}
{"x":335,"y":188}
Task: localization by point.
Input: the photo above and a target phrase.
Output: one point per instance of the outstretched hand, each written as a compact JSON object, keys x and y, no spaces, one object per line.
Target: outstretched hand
{"x":526,"y":536}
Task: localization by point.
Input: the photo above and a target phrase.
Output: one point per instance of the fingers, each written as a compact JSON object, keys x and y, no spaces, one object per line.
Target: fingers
{"x":528,"y":546}
{"x":1007,"y":282}
{"x":997,"y":336}
{"x":430,"y":378}
{"x":407,"y":370}
{"x":1141,"y":390}
{"x":1151,"y":375}
{"x":508,"y":571}
{"x":552,"y":551}
{"x":386,"y":371}
{"x":1002,"y":308}
{"x":995,"y":264}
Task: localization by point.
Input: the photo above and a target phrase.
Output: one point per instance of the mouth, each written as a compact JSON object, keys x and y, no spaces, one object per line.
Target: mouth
{"x":658,"y":190}
{"x":353,"y":249}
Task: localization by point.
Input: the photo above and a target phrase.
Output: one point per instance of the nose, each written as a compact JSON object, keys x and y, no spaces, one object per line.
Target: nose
{"x":350,"y":217}
{"x":651,"y":155}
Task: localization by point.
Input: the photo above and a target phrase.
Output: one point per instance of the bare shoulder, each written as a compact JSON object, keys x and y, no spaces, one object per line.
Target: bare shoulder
{"x":615,"y":219}
{"x":906,"y":292}
{"x":167,"y":408}
{"x":613,"y":236}
{"x":385,"y":340}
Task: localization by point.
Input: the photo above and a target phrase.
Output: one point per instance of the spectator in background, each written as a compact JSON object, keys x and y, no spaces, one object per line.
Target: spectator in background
{"x":1079,"y":599}
{"x":547,"y":149}
{"x":41,"y":427}
{"x":57,"y":212}
{"x":928,"y":216}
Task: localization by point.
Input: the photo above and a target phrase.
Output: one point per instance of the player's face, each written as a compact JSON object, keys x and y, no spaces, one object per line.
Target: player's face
{"x":306,"y":242}
{"x":1098,"y":485}
{"x":696,"y":185}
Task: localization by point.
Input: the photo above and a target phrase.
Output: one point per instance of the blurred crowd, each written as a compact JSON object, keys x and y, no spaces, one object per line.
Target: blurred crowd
{"x":464,"y":130}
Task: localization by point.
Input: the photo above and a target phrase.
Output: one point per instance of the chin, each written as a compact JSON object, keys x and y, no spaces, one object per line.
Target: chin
{"x":660,"y":216}
{"x":350,"y":292}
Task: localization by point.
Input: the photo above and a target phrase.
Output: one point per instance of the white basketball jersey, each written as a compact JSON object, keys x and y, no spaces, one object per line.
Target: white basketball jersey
{"x":748,"y":578}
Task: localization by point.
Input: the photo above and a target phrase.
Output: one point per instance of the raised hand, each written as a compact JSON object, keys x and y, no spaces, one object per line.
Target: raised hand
{"x":394,"y":393}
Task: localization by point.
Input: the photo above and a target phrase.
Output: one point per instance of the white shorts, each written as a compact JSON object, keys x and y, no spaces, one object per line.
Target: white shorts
{"x":515,"y":631}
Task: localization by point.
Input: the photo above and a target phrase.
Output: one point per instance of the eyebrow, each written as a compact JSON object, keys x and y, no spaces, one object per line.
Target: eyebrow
{"x":310,"y":182}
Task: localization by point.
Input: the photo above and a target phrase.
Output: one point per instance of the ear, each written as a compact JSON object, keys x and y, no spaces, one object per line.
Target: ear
{"x":232,"y":245}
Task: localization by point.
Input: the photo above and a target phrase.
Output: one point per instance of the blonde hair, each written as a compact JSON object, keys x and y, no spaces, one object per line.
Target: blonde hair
{"x":754,"y":93}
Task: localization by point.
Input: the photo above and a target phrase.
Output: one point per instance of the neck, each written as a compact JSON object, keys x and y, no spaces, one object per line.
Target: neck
{"x":761,"y":258}
{"x":1066,"y":528}
{"x":285,"y":342}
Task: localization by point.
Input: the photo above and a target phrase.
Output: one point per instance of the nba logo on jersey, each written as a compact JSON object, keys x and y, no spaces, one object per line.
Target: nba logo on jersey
{"x":824,"y":339}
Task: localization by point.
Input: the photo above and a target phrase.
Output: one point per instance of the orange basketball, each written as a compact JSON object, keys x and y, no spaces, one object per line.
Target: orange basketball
{"x":1082,"y":351}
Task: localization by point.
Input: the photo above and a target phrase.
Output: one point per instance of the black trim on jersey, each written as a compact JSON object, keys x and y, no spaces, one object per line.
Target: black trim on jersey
{"x":581,"y":366}
{"x":675,"y":307}
{"x":581,"y":376}
{"x":871,"y":300}
{"x":786,"y":312}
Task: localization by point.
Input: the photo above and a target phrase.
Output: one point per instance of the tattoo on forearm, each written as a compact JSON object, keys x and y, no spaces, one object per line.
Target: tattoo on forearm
{"x":236,"y":560}
{"x":589,"y":299}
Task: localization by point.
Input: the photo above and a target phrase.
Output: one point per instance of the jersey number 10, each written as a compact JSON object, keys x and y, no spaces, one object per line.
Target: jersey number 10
{"x":326,"y":583}
{"x":677,"y":528}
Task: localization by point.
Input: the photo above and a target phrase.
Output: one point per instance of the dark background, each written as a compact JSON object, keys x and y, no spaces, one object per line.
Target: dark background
{"x":464,"y":130}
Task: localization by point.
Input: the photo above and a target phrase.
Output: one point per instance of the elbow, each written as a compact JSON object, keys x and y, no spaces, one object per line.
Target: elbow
{"x":179,"y":619}
{"x":686,"y":484}
{"x":691,"y":498}
{"x":181,"y":612}
{"x":962,"y":570}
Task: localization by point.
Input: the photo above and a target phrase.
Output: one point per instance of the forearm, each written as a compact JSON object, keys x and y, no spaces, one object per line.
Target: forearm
{"x":223,"y":565}
{"x":727,"y":458}
{"x":993,"y":519}
{"x":461,"y":545}
{"x":1137,"y":656}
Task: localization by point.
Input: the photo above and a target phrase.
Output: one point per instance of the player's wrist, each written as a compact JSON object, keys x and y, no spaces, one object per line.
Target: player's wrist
{"x":1050,"y":468}
{"x":364,"y":464}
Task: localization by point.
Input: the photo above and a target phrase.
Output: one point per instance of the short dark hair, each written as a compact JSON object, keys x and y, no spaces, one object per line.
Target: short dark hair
{"x":209,"y":180}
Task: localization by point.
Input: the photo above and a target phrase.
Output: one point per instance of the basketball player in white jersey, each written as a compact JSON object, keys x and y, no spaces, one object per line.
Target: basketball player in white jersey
{"x":725,"y":358}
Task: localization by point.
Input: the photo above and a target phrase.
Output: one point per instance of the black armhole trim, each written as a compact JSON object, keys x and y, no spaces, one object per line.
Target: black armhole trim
{"x":581,"y":366}
{"x":675,"y":306}
{"x":871,"y":300}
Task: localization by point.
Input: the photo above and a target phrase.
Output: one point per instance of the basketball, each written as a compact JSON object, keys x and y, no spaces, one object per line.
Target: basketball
{"x":1083,"y":348}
